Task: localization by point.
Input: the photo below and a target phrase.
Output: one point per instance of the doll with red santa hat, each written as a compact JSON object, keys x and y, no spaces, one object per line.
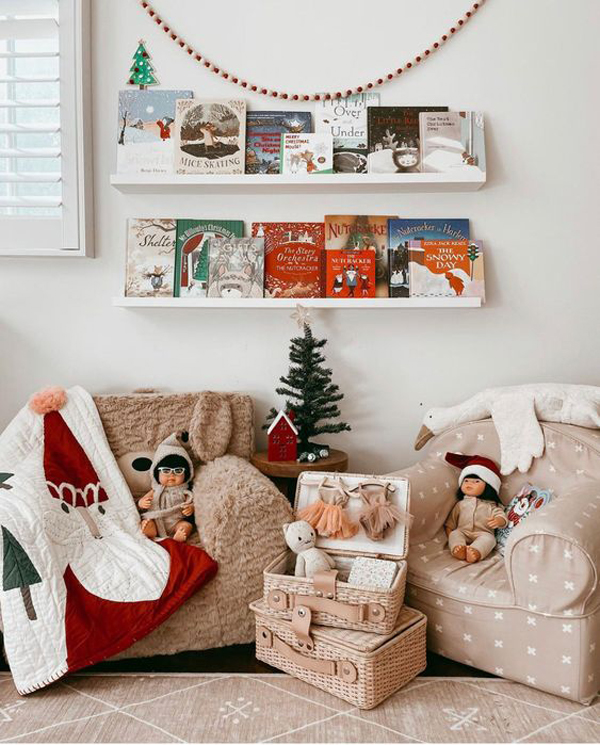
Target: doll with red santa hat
{"x":471,"y":524}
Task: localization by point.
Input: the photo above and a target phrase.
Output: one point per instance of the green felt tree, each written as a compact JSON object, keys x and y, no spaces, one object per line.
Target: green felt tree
{"x":141,"y":71}
{"x":309,"y":392}
{"x":18,"y":571}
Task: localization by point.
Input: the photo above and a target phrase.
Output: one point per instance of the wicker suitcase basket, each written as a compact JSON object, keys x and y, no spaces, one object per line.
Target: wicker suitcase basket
{"x":359,"y":667}
{"x":332,"y":600}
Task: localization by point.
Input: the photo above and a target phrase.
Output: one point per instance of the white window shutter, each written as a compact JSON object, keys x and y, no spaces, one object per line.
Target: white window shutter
{"x":45,"y":199}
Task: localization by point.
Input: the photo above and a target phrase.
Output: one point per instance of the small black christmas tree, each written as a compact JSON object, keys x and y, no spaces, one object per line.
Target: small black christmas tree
{"x":309,"y":392}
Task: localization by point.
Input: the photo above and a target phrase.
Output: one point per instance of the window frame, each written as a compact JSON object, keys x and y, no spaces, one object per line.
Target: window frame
{"x":76,"y":225}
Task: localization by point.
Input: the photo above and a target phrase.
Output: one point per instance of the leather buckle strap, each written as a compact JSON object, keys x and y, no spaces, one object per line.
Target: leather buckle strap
{"x":324,"y":584}
{"x":359,"y":613}
{"x":301,"y":618}
{"x":343,"y":669}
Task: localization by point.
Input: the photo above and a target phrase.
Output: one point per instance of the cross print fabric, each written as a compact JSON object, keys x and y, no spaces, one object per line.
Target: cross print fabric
{"x":533,"y":616}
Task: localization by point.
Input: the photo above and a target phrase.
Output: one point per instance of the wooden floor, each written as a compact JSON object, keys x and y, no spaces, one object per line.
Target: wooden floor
{"x":241,"y":659}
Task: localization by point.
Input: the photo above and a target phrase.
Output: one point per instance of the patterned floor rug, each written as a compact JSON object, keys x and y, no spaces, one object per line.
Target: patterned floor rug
{"x":275,"y":708}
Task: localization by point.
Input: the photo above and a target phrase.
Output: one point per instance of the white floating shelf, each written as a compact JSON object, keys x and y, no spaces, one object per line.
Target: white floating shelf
{"x":135,"y":183}
{"x":409,"y":302}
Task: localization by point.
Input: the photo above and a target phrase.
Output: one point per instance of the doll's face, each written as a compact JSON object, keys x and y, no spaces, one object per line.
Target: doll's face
{"x":171,"y":476}
{"x":472,"y":487}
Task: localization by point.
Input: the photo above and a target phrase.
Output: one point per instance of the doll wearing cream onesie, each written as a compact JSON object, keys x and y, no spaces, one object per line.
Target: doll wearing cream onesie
{"x":471,"y":524}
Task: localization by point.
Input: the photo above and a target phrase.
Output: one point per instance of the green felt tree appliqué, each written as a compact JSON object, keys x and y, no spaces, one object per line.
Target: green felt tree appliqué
{"x":141,"y":71}
{"x":309,"y":391}
{"x":18,"y":571}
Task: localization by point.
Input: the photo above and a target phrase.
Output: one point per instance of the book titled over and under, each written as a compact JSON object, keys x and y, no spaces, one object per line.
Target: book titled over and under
{"x":346,"y":256}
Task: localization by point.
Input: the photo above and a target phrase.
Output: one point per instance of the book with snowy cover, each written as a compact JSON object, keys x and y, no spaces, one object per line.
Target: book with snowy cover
{"x":446,"y":269}
{"x":191,"y":255}
{"x":145,"y":130}
{"x":263,"y":137}
{"x":362,"y":232}
{"x":346,"y":120}
{"x":235,"y":267}
{"x":150,"y":258}
{"x":303,"y":154}
{"x":394,"y":145}
{"x":451,"y":141}
{"x":210,"y":136}
{"x":293,"y":258}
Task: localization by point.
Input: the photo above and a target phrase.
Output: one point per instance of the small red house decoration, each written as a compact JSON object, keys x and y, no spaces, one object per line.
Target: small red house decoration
{"x":283,"y":438}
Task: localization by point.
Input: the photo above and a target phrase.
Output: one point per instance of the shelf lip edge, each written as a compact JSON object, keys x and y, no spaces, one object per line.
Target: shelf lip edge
{"x":275,"y":304}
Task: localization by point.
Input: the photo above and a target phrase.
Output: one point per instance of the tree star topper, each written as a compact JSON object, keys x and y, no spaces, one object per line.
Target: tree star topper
{"x":302,"y":316}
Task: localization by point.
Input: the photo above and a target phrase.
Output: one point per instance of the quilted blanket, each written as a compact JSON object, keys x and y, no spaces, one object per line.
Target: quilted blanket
{"x":80,"y":582}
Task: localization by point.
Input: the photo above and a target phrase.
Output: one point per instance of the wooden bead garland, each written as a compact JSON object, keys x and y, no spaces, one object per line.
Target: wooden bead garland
{"x":254,"y":88}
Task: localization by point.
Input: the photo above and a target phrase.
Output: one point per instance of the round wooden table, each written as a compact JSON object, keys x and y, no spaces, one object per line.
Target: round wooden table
{"x":284,"y":473}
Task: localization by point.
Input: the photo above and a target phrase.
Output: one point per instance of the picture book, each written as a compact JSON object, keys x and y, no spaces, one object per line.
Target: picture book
{"x":393,"y":133}
{"x":263,"y":137}
{"x":436,"y":229}
{"x":293,"y":258}
{"x":362,"y":232}
{"x":306,"y":153}
{"x":191,"y":252}
{"x":210,"y":136}
{"x":150,"y":258}
{"x":446,"y":269}
{"x":235,"y":267}
{"x":452,"y":140}
{"x":145,"y":130}
{"x":349,"y":274}
{"x":346,"y":120}
{"x":398,"y":268}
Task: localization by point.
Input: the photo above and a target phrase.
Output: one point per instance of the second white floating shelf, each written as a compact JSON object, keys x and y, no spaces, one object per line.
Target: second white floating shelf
{"x":331,"y":303}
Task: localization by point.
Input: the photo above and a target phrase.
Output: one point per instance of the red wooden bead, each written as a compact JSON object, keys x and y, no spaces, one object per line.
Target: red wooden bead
{"x":468,"y":14}
{"x":207,"y":64}
{"x":181,"y":43}
{"x":399,"y":71}
{"x":263,"y":91}
{"x":144,"y":5}
{"x":390,"y":76}
{"x":284,"y":95}
{"x":444,"y":37}
{"x":157,"y":20}
{"x":274,"y":94}
{"x":379,"y":81}
{"x":418,"y":59}
{"x":253,"y":88}
{"x":409,"y":64}
{"x":436,"y":45}
{"x":460,"y":23}
{"x":327,"y":96}
{"x":173,"y":36}
{"x":216,"y":70}
{"x":369,"y":85}
{"x":151,"y":13}
{"x":306,"y":98}
{"x":225,"y":75}
{"x":427,"y":52}
{"x":452,"y":30}
{"x":166,"y":29}
{"x":198,"y":57}
{"x":475,"y":5}
{"x":360,"y":89}
{"x":318,"y":98}
{"x":235,"y":80}
{"x":295,"y":97}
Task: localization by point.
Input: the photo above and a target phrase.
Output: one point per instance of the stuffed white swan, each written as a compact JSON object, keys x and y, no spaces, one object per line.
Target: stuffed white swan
{"x":515,"y":411}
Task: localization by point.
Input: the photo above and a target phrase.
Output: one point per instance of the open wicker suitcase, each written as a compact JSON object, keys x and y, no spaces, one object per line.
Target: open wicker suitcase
{"x":331,"y":599}
{"x":360,"y":667}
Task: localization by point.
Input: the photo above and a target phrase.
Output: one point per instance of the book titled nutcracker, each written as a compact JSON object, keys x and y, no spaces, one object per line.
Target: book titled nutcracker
{"x":191,"y":254}
{"x":394,"y":145}
{"x":446,"y":269}
{"x":451,"y":141}
{"x":363,"y":232}
{"x":349,"y":274}
{"x":235,"y":267}
{"x":145,"y":130}
{"x":150,"y":258}
{"x":304,"y":154}
{"x":346,"y":120}
{"x":210,"y":136}
{"x":293,"y":258}
{"x":263,"y":137}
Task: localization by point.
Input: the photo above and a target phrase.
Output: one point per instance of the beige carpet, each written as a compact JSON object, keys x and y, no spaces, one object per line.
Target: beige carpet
{"x":276,"y":708}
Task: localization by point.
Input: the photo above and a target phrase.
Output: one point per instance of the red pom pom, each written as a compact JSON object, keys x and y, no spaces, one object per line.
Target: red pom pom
{"x":47,"y":400}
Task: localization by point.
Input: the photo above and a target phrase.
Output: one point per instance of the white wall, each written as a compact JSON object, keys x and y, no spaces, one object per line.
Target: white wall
{"x":531,"y":66}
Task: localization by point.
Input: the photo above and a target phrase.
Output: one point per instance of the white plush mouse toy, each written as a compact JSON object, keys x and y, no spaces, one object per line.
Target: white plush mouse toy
{"x":301,"y":537}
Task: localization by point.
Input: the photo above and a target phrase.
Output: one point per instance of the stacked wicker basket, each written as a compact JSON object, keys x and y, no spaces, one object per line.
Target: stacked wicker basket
{"x":358,"y":643}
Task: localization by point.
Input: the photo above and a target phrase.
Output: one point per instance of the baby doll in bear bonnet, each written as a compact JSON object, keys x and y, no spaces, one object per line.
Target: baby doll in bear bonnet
{"x":167,"y":507}
{"x":471,"y":524}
